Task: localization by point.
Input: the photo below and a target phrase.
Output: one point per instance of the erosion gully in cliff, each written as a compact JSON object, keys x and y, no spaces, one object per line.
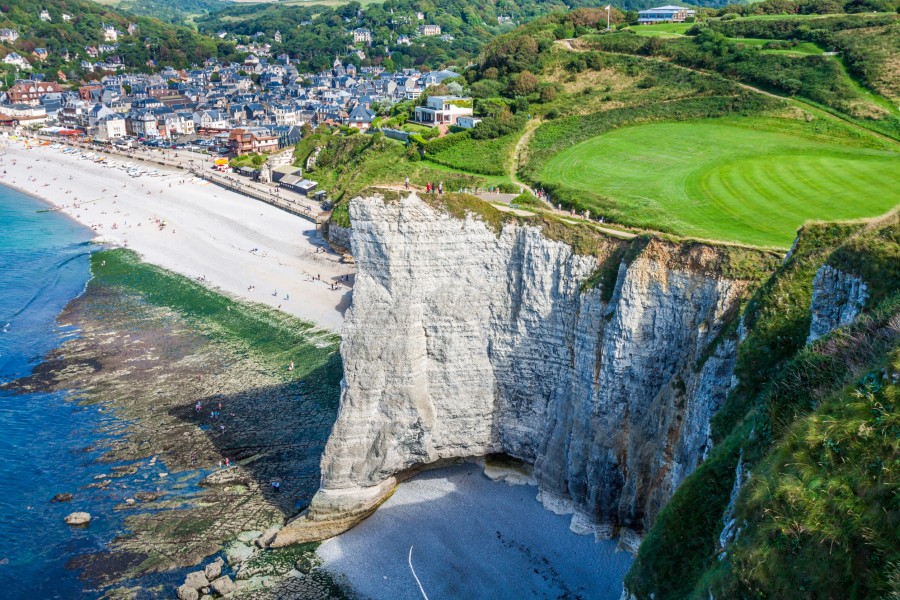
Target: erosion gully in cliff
{"x":463,"y":341}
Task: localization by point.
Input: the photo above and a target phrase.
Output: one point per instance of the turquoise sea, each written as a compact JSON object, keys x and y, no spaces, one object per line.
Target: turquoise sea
{"x":46,"y":442}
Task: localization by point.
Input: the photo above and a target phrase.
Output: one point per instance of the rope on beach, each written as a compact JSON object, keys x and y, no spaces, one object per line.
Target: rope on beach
{"x":421,"y":589}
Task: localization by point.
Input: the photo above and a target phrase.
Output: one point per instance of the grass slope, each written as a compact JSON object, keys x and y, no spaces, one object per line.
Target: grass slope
{"x":816,"y":426}
{"x":749,"y":180}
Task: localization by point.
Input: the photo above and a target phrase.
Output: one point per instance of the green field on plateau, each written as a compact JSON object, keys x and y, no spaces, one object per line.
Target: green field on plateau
{"x":745,"y":180}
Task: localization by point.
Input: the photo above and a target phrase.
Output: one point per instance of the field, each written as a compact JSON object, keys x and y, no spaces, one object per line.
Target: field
{"x":739,"y":180}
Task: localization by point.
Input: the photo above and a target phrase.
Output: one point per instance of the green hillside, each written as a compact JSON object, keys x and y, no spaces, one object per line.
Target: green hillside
{"x":155,"y":40}
{"x":817,"y":426}
{"x":728,"y":131}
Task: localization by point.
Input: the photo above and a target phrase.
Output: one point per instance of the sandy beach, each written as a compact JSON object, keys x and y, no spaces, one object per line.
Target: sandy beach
{"x":226,"y":240}
{"x":472,"y":538}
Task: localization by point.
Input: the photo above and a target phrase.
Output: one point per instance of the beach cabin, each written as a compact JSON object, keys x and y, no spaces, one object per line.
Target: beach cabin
{"x":283,"y":171}
{"x":306,"y":186}
{"x":468,"y":122}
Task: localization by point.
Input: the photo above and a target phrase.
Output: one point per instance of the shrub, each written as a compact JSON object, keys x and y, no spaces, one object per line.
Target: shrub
{"x":548,"y":93}
{"x":524,"y":83}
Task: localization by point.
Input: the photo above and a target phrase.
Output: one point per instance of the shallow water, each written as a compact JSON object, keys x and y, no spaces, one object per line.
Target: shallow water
{"x":47,"y":445}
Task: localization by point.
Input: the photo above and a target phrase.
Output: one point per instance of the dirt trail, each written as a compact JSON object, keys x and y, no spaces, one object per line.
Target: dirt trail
{"x":522,"y":145}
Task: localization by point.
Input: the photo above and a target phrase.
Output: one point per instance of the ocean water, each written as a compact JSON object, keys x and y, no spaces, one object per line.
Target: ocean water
{"x":44,"y":263}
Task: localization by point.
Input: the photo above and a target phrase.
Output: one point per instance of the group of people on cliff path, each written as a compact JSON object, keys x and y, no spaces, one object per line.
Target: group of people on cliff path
{"x":429,"y":187}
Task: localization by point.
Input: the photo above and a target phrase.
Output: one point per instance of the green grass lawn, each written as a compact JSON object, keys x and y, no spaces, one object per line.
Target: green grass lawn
{"x":747,"y":180}
{"x":802,"y":48}
{"x":662,"y":28}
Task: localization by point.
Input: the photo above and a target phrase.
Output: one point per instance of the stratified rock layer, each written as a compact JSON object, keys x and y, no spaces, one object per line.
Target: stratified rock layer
{"x":461,"y":342}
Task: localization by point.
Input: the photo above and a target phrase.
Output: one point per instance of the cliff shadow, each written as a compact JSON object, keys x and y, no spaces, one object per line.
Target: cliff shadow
{"x":268,"y":434}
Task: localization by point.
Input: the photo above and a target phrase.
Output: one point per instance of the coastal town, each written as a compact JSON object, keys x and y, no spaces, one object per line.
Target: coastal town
{"x":259,"y":107}
{"x":399,"y":299}
{"x":259,"y":104}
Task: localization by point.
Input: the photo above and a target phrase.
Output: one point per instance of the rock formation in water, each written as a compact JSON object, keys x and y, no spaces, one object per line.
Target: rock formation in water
{"x":463,"y":342}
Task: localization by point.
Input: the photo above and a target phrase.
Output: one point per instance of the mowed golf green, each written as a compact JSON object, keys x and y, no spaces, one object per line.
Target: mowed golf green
{"x":740,"y":180}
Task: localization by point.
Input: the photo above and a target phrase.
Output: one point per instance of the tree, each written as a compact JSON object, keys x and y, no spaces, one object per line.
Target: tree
{"x":524,"y":83}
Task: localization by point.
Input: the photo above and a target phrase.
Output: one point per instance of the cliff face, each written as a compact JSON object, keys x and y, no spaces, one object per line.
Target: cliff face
{"x":838,"y":298}
{"x":461,"y":342}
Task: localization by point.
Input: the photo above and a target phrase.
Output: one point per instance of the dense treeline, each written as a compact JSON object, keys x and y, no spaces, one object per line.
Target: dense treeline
{"x":163,"y":43}
{"x":809,"y":7}
{"x":172,"y":11}
{"x":316,"y":34}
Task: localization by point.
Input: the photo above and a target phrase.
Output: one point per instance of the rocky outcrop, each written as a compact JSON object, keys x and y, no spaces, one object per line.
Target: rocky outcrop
{"x":78,"y":518}
{"x":838,"y":297}
{"x":463,"y":342}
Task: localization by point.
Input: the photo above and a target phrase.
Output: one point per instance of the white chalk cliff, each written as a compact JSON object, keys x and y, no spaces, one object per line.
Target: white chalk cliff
{"x":462,"y":342}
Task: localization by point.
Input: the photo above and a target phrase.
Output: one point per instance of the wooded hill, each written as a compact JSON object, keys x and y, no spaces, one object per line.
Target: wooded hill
{"x":155,"y":40}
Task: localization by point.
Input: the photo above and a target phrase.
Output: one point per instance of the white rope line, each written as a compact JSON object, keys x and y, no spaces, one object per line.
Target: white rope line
{"x":421,"y":589}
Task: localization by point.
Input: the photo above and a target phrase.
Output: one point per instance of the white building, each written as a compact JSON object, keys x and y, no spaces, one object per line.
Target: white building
{"x":14,"y":58}
{"x":426,"y":30}
{"x":22,"y":114}
{"x":110,"y":127}
{"x":442,"y":110}
{"x":109,"y":33}
{"x":45,"y":16}
{"x":665,"y":14}
{"x":362,"y":36}
{"x":284,"y":114}
{"x":467,"y":121}
{"x":8,"y":35}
